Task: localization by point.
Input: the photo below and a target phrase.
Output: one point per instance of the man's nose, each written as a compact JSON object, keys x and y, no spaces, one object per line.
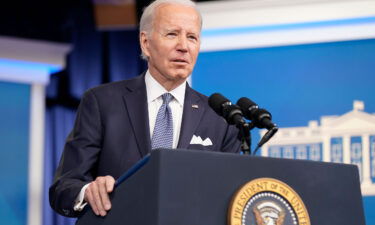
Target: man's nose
{"x":182,"y":44}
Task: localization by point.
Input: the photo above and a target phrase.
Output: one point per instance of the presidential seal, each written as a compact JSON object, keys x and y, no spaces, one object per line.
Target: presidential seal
{"x":267,"y":201}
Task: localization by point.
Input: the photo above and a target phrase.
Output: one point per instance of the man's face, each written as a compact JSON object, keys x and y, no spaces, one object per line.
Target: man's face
{"x":173,"y":45}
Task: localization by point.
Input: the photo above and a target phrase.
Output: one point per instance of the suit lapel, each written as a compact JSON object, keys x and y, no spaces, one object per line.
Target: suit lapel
{"x":136,"y":105}
{"x":192,"y":115}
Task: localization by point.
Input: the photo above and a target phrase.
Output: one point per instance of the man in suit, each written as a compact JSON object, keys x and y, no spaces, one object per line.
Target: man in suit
{"x":119,"y":123}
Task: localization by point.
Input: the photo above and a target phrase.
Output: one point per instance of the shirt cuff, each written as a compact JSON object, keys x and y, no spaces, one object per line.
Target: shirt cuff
{"x":80,"y":202}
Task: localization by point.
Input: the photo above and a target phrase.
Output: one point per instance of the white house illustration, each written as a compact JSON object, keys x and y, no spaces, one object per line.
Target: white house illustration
{"x":349,"y":138}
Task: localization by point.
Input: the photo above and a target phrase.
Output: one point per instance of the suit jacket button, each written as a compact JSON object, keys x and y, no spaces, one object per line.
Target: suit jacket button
{"x":66,"y":211}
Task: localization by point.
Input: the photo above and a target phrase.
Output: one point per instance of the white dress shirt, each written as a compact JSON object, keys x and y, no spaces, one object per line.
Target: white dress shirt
{"x":154,"y":101}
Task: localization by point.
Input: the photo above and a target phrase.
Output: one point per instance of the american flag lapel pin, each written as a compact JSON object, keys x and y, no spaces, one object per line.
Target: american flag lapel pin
{"x":194,"y":106}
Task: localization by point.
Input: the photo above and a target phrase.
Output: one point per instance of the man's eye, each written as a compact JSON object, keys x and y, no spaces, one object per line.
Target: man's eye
{"x":193,"y":38}
{"x":171,"y":34}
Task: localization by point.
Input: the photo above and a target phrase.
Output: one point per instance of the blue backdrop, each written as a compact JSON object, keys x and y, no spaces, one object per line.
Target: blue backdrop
{"x":297,"y":83}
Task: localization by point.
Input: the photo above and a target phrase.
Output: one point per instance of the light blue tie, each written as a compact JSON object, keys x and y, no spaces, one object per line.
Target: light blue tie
{"x":163,"y":130}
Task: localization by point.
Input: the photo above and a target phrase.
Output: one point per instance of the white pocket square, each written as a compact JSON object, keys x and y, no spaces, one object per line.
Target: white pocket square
{"x":197,"y":140}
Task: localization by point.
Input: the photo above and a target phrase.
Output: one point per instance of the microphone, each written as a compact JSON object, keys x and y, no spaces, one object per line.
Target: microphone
{"x":260,"y":117}
{"x":223,"y":107}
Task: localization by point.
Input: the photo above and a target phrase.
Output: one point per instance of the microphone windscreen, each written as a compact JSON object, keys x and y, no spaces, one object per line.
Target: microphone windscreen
{"x":216,"y":101}
{"x":245,"y":103}
{"x":262,"y":113}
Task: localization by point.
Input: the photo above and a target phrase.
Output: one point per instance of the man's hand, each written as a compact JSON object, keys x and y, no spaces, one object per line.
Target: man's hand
{"x":96,"y":194}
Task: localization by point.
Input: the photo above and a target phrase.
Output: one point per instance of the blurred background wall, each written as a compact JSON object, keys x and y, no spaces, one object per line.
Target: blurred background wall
{"x":299,"y":59}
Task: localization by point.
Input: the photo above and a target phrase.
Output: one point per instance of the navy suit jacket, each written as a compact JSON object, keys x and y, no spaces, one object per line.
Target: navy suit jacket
{"x":111,"y":133}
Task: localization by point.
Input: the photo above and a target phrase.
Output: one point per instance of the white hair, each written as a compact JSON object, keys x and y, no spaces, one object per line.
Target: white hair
{"x":147,"y":18}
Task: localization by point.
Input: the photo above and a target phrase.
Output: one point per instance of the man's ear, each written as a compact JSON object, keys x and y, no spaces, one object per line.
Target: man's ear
{"x":144,"y":41}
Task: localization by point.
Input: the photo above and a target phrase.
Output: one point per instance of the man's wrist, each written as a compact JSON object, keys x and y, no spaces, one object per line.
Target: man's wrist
{"x":80,"y":203}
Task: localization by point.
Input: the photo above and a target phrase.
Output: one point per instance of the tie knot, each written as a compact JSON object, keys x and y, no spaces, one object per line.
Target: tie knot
{"x":167,"y":97}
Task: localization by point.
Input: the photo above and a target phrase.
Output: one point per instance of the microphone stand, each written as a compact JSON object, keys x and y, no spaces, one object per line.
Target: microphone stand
{"x":245,"y":129}
{"x":245,"y":136}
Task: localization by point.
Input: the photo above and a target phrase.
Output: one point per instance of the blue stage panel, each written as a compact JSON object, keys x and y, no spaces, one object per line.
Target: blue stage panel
{"x":14,"y":139}
{"x":369,"y":205}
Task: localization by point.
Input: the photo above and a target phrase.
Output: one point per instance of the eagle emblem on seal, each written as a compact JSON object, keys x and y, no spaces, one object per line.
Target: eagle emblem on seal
{"x":268,"y":213}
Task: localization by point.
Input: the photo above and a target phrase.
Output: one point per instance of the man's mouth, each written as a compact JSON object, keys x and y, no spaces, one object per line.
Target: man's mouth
{"x":179,"y":61}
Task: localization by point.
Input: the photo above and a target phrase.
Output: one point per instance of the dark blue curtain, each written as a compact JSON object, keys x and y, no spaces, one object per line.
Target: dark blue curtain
{"x":97,"y":57}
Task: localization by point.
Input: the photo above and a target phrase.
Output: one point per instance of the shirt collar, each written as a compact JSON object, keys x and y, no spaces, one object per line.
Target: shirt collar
{"x":155,"y":90}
